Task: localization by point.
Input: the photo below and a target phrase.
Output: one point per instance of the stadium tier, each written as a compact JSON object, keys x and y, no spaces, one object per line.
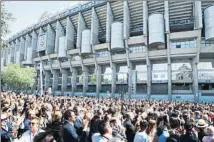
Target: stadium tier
{"x":146,"y":49}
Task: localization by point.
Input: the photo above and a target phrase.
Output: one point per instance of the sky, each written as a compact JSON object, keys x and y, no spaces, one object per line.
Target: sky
{"x":28,"y":12}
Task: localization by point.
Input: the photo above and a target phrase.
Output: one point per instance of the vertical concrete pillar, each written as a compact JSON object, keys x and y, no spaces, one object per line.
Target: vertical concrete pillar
{"x":197,"y":15}
{"x":64,"y":79}
{"x":167,"y":31}
{"x":113,"y":85}
{"x":17,"y":52}
{"x":2,"y":59}
{"x":85,"y":80}
{"x":169,"y":81}
{"x":195,"y":78}
{"x":145,"y":18}
{"x":55,"y":80}
{"x":12,"y":52}
{"x":59,"y":33}
{"x":22,"y":48}
{"x":80,"y":28}
{"x":94,"y":27}
{"x":27,"y":45}
{"x":126,"y":20}
{"x":69,"y":42}
{"x":130,"y":68}
{"x":47,"y":79}
{"x":145,"y":33}
{"x":109,"y":20}
{"x":34,"y":44}
{"x":98,"y":83}
{"x":166,"y":16}
{"x":7,"y":56}
{"x":149,"y":78}
{"x":74,"y":80}
{"x":50,"y":40}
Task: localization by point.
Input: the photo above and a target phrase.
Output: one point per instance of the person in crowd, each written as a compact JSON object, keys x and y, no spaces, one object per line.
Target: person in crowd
{"x":105,"y":132}
{"x":69,"y":132}
{"x":151,"y":130}
{"x":94,"y":128}
{"x":142,"y":136}
{"x":210,"y":135}
{"x":130,"y":132}
{"x":190,"y":135}
{"x":29,"y":135}
{"x":6,"y":135}
{"x":55,"y":126}
{"x":201,"y":126}
{"x":174,"y":132}
{"x":44,"y":137}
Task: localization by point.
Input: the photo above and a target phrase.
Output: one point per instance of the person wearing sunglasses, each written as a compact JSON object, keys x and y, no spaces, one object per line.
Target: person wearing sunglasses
{"x":29,"y":135}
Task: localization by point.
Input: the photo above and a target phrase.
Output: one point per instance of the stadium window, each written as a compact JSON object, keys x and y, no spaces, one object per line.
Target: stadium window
{"x":190,"y":43}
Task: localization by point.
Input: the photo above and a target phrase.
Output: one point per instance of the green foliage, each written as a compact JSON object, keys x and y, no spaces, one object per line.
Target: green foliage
{"x":6,"y":17}
{"x":18,"y":78}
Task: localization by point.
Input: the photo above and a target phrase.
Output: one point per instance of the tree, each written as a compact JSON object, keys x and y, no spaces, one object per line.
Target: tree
{"x":6,"y":17}
{"x":18,"y":78}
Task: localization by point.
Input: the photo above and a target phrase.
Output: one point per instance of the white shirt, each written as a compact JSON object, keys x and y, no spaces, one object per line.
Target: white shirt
{"x":141,"y":137}
{"x":28,"y":136}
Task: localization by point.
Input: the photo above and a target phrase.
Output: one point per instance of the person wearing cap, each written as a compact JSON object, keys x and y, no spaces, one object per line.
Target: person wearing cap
{"x":189,"y":136}
{"x":201,"y":125}
{"x":29,"y":135}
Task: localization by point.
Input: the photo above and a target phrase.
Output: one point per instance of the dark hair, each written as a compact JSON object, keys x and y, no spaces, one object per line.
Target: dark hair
{"x":41,"y":137}
{"x":188,"y":125}
{"x":94,"y":124}
{"x":102,"y":127}
{"x":143,"y":124}
{"x":174,"y":122}
{"x":112,"y":111}
{"x":67,"y":114}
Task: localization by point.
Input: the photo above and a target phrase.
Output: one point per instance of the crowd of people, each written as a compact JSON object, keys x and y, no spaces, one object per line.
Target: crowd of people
{"x":46,"y":118}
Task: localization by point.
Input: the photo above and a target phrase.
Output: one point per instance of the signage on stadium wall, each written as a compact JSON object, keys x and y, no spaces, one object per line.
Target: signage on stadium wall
{"x":186,"y":97}
{"x":139,"y":96}
{"x":159,"y":97}
{"x":42,"y":42}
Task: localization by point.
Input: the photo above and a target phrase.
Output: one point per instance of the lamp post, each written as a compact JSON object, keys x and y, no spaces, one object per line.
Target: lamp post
{"x":41,"y":79}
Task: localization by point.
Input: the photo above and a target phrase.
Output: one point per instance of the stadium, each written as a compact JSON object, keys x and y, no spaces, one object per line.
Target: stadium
{"x":143,"y":49}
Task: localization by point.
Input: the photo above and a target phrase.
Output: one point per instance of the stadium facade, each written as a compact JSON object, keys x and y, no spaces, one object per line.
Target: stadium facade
{"x":149,"y":49}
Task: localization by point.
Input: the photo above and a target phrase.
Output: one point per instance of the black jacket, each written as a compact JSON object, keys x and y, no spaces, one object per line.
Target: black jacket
{"x":173,"y":138}
{"x":6,"y":136}
{"x":189,"y":137}
{"x":69,"y":133}
{"x":55,"y":128}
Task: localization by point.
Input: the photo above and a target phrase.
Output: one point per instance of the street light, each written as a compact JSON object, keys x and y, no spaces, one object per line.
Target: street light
{"x":41,"y":79}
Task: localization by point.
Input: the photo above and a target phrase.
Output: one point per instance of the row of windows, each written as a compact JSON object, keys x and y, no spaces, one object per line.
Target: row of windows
{"x":141,"y":76}
{"x":207,"y":42}
{"x":190,"y":43}
{"x":102,"y":53}
{"x":137,"y":48}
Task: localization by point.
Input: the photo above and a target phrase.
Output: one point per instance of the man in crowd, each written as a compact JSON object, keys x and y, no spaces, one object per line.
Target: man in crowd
{"x":29,"y":135}
{"x":142,"y":136}
{"x":69,"y":131}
